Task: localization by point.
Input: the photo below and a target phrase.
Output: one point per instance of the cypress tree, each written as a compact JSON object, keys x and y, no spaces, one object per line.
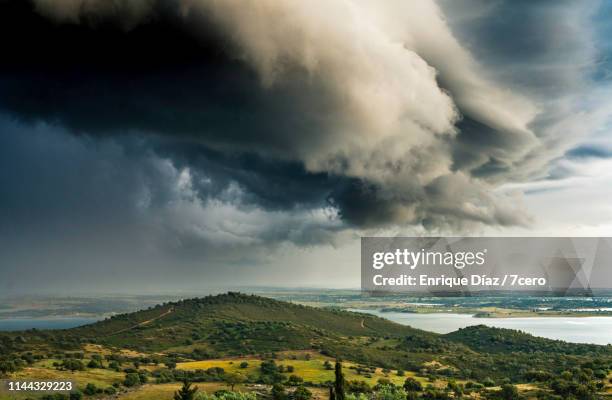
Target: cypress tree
{"x":339,"y":384}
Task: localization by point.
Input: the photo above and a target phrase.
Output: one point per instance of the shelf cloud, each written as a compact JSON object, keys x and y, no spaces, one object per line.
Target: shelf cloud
{"x":309,"y":119}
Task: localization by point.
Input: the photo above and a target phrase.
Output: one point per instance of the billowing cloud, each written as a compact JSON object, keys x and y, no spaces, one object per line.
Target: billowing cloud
{"x":352,"y":90}
{"x":63,"y":183}
{"x":74,"y":209}
{"x":549,"y":53}
{"x":215,"y":125}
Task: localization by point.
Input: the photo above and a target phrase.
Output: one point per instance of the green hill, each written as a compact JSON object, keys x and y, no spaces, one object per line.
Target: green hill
{"x":498,"y":340}
{"x":235,"y":324}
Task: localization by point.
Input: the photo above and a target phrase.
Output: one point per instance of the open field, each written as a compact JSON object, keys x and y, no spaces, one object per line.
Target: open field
{"x":311,"y":370}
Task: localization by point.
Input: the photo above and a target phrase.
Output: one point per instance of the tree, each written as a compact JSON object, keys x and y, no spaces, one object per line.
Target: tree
{"x":143,"y":376}
{"x":412,"y":385}
{"x":244,"y":364}
{"x":301,"y":393}
{"x":94,"y":364}
{"x":75,"y":396}
{"x":165,"y":376}
{"x":357,"y":387}
{"x":488,"y":382}
{"x":600,"y":374}
{"x":278,"y":392}
{"x":270,"y":373}
{"x":332,"y":395}
{"x":73,"y":365}
{"x":585,"y":392}
{"x":455,"y":388}
{"x":434,"y":394}
{"x":509,"y":392}
{"x":186,"y":392}
{"x":131,"y":379}
{"x":268,"y":367}
{"x":339,"y":382}
{"x":90,"y":389}
{"x":383,"y":382}
{"x":389,"y":392}
{"x":295,"y":380}
{"x":233,"y":379}
{"x":6,"y":367}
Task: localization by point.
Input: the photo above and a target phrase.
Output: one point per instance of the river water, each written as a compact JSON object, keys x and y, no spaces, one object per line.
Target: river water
{"x":596,"y":330}
{"x":19,"y":324}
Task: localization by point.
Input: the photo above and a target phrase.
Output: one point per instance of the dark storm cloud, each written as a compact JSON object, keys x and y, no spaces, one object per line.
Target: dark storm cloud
{"x":271,"y":184}
{"x":314,"y":126}
{"x":157,"y":78}
{"x":78,"y":212}
{"x":366,"y":108}
{"x":57,"y":182}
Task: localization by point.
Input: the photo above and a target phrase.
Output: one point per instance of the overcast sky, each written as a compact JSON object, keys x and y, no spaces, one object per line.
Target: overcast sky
{"x":163,"y":145}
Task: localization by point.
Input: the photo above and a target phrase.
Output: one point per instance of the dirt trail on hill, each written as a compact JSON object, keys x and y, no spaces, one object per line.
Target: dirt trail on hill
{"x":170,"y":310}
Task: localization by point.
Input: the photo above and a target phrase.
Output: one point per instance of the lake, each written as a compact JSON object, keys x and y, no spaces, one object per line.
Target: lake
{"x":596,"y":330}
{"x":19,"y":324}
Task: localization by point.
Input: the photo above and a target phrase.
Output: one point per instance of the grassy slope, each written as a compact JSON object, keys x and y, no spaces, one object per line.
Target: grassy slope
{"x":240,"y":322}
{"x":238,"y":325}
